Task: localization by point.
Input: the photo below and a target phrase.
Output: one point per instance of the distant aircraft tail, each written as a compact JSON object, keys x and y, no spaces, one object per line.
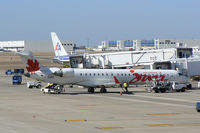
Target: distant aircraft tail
{"x":30,"y":61}
{"x":57,"y":45}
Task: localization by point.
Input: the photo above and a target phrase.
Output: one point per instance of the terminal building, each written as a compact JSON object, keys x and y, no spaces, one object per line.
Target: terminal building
{"x":131,"y":45}
{"x":118,"y":45}
{"x":47,"y":46}
{"x":12,"y":45}
{"x":35,"y":46}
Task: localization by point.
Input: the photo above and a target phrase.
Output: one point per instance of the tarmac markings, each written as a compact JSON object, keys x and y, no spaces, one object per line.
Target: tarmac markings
{"x":103,"y":128}
{"x":166,"y":98}
{"x":159,"y":125}
{"x":86,"y":105}
{"x":157,"y":114}
{"x":142,"y":101}
{"x":75,"y":120}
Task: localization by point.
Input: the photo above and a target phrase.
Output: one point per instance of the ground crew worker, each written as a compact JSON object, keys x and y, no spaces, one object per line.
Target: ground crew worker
{"x":125,"y":86}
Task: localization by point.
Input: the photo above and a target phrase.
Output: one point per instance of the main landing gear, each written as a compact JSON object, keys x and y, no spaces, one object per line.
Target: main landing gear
{"x":102,"y":90}
{"x":91,"y":90}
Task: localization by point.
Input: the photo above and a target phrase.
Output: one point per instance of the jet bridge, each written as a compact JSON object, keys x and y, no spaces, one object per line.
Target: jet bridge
{"x":187,"y":66}
{"x":130,"y":59}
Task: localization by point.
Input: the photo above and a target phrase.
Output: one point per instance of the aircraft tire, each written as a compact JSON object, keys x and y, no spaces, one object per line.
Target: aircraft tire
{"x":156,"y":90}
{"x":38,"y":86}
{"x":183,"y":89}
{"x":91,"y":90}
{"x":163,"y":90}
{"x":103,"y":90}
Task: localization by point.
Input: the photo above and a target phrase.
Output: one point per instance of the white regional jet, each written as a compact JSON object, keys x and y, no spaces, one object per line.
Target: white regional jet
{"x":93,"y":78}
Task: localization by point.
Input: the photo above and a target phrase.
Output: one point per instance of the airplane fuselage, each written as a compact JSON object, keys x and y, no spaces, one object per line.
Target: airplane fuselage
{"x":108,"y":77}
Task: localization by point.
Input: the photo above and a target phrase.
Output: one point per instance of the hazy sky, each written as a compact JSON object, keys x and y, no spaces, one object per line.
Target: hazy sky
{"x":96,"y":20}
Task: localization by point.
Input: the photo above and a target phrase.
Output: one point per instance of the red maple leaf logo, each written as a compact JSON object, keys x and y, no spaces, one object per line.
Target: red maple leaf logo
{"x":32,"y":66}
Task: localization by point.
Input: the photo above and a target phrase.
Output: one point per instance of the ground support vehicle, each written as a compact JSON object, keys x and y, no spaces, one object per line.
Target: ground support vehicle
{"x":168,"y":86}
{"x":32,"y":84}
{"x":18,"y":71}
{"x":17,"y":79}
{"x":9,"y":72}
{"x":52,"y":89}
{"x":198,"y":106}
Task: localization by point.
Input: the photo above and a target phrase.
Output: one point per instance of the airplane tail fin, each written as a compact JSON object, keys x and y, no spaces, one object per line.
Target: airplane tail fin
{"x":30,"y":61}
{"x":57,"y":45}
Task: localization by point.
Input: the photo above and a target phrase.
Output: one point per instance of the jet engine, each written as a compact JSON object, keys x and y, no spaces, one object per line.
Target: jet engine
{"x":65,"y":72}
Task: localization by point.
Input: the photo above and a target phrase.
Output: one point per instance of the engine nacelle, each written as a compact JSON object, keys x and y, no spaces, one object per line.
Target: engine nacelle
{"x":65,"y":72}
{"x":58,"y":73}
{"x":68,"y":72}
{"x":27,"y":75}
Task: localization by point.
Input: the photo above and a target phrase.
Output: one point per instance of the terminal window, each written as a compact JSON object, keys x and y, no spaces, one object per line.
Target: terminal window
{"x":128,"y":43}
{"x":112,"y":43}
{"x":147,"y":43}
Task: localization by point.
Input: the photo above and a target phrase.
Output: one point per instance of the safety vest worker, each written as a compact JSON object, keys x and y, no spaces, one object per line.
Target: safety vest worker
{"x":125,"y":84}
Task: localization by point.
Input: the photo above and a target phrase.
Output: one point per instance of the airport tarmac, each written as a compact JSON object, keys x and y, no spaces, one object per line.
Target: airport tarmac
{"x":25,"y":110}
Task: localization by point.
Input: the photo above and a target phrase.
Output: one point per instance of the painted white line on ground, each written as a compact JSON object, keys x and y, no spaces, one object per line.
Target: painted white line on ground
{"x":165,"y":98}
{"x":143,"y":101}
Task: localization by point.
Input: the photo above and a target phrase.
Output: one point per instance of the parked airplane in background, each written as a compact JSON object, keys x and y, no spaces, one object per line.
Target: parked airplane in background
{"x":4,"y":50}
{"x":61,"y":56}
{"x":94,"y":78}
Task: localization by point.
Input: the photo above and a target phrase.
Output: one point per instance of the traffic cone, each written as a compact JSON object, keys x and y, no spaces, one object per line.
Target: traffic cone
{"x":120,"y":93}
